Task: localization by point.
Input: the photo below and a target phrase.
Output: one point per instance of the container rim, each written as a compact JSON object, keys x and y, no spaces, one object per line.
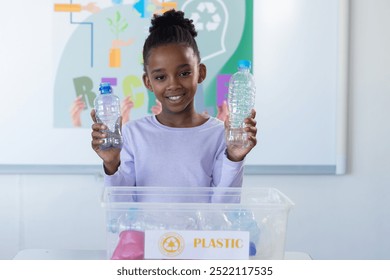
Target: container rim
{"x":280,"y":200}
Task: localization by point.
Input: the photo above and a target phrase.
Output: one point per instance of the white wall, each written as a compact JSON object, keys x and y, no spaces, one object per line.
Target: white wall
{"x":335,"y":217}
{"x":50,"y":212}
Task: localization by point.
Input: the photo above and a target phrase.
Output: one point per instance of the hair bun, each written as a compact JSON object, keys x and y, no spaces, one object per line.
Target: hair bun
{"x":170,"y":18}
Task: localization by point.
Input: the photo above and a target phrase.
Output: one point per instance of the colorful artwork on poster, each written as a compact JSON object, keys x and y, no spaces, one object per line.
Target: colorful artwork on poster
{"x":102,"y":41}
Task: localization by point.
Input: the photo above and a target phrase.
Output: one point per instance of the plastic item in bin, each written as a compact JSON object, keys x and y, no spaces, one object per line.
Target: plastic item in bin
{"x":252,"y":249}
{"x":128,"y":220}
{"x":153,"y":220}
{"x":172,"y":220}
{"x":242,"y":219}
{"x":130,"y":246}
{"x":208,"y":220}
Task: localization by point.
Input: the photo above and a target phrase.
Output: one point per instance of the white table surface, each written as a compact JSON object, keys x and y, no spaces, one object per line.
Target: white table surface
{"x":43,"y":254}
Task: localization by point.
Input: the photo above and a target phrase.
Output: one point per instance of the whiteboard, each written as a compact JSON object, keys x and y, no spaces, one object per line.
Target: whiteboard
{"x":300,"y":67}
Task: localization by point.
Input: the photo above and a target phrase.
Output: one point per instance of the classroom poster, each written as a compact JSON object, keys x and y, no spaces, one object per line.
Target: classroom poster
{"x":100,"y":41}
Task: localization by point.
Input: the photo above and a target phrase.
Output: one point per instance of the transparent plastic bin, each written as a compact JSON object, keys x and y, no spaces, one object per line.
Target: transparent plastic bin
{"x":217,"y":223}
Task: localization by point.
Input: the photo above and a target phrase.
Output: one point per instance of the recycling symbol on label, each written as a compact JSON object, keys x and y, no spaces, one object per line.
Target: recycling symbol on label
{"x":207,"y":8}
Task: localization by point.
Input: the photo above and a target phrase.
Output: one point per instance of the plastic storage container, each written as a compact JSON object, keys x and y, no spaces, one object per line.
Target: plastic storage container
{"x":195,"y":223}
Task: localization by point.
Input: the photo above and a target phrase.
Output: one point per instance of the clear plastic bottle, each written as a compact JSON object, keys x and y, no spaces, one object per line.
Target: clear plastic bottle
{"x":244,"y":220}
{"x":107,"y":107}
{"x":241,"y":100}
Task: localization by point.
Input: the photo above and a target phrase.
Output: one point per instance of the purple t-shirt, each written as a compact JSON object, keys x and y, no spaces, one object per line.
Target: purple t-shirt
{"x":157,"y":155}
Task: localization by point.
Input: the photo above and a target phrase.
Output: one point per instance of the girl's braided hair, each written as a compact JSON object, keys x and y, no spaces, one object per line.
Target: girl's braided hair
{"x":170,"y":28}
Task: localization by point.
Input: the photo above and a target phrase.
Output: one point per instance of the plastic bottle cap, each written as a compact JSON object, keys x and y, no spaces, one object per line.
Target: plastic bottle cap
{"x":244,"y":64}
{"x":105,"y":88}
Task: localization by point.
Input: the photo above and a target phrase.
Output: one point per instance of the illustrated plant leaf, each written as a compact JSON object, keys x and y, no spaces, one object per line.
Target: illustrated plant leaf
{"x":117,"y":16}
{"x":123,"y":21}
{"x":109,"y":21}
{"x":124,"y":27}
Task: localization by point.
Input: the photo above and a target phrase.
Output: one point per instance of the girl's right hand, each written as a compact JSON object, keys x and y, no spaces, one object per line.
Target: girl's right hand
{"x":110,"y":157}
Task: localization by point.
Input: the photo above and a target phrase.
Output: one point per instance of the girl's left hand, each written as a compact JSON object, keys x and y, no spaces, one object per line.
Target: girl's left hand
{"x":235,"y":153}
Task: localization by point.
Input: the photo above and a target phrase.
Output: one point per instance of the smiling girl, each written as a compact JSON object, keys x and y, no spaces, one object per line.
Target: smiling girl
{"x":179,"y":147}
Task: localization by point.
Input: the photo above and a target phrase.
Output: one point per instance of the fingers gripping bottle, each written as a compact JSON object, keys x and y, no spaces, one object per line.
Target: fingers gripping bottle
{"x":107,"y":107}
{"x":241,"y":100}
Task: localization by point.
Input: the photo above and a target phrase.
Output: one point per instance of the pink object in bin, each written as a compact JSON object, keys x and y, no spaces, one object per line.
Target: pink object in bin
{"x":130,"y":246}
